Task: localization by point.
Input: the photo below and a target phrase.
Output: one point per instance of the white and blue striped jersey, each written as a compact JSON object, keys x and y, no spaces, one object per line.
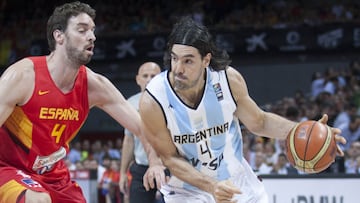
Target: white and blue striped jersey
{"x":208,"y":136}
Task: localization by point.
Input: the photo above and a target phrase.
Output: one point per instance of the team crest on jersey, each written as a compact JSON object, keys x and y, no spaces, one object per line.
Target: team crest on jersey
{"x":218,"y":91}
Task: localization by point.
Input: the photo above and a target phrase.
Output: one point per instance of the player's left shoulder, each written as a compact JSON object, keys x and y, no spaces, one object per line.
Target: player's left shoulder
{"x":233,"y":75}
{"x":95,"y":78}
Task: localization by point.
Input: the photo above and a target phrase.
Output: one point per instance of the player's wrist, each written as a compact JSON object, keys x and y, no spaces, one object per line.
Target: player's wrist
{"x":155,"y":161}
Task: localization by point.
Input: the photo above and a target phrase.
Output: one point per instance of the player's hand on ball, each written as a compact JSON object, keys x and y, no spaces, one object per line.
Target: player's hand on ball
{"x":336,"y":132}
{"x":224,"y":192}
{"x":312,"y":146}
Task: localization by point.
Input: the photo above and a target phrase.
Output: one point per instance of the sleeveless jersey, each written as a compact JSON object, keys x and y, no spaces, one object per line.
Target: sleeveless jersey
{"x":37,"y":134}
{"x":208,"y":136}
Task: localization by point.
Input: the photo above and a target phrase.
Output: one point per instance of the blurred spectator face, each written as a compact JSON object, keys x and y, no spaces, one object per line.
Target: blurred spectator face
{"x":118,"y":143}
{"x":354,"y":124}
{"x":354,"y":150}
{"x":282,"y":145}
{"x":358,"y":162}
{"x":96,"y":146}
{"x":282,"y":161}
{"x":86,"y":164}
{"x":92,"y":164}
{"x":110,"y":144}
{"x":106,"y":162}
{"x":259,"y":159}
{"x":79,"y":165}
{"x":78,"y":146}
{"x":115,"y":165}
{"x":86,"y":145}
{"x":259,"y":147}
{"x":269,"y":148}
{"x":67,"y":162}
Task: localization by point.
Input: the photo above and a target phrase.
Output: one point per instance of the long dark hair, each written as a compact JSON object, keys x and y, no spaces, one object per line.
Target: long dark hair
{"x":59,"y":19}
{"x":188,"y":32}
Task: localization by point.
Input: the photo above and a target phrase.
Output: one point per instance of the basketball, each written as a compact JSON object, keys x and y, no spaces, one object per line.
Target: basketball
{"x":311,"y":147}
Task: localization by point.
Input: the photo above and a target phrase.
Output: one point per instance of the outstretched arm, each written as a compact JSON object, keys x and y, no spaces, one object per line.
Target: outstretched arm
{"x":259,"y":122}
{"x":104,"y":95}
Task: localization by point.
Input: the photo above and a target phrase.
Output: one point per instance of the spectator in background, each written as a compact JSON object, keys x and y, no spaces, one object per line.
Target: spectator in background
{"x":292,"y":113}
{"x":97,"y":151}
{"x":113,"y":152}
{"x":261,"y":167}
{"x":350,"y":131}
{"x":75,"y":152}
{"x":333,"y":81}
{"x":257,"y":147}
{"x":248,"y":143}
{"x":71,"y":166}
{"x":102,"y":168}
{"x":351,"y":156}
{"x":134,"y":156}
{"x":79,"y":165}
{"x":85,"y":149}
{"x":91,"y":164}
{"x":357,"y":165}
{"x":105,"y":164}
{"x":343,"y":117}
{"x":354,"y":67}
{"x":317,"y":84}
{"x":283,"y":167}
{"x":104,"y":185}
{"x":270,"y":153}
{"x":109,"y":183}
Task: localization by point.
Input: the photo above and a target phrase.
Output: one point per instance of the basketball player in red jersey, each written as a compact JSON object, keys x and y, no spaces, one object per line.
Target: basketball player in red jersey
{"x":45,"y":101}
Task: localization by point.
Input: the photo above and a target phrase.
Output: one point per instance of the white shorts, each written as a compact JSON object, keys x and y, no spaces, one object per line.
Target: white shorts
{"x":253,"y":190}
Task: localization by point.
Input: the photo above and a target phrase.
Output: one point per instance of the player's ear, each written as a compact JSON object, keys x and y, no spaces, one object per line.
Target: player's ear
{"x":58,"y":36}
{"x":207,"y":59}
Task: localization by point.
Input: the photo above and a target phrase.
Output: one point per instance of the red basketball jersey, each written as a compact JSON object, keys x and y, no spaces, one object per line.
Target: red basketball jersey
{"x":35,"y":137}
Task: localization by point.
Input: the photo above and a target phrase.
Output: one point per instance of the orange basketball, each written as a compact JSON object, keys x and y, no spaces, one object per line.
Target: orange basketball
{"x":311,"y":147}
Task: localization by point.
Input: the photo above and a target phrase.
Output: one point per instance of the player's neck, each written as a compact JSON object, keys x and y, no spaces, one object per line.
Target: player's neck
{"x":192,"y":97}
{"x":62,"y":72}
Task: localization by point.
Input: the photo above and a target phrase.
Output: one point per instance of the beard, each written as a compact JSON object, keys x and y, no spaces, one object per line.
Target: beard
{"x":178,"y":85}
{"x":185,"y":83}
{"x":77,"y":56}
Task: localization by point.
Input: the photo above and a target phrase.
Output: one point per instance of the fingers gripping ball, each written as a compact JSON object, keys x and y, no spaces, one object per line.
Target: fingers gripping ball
{"x":311,"y":147}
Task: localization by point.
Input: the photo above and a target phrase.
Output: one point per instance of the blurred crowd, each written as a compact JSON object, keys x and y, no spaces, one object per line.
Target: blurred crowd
{"x":104,"y":157}
{"x":335,"y":92}
{"x":23,"y":21}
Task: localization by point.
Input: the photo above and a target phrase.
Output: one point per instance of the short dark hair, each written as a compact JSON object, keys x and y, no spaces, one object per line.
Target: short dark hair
{"x":59,"y":18}
{"x":188,"y":32}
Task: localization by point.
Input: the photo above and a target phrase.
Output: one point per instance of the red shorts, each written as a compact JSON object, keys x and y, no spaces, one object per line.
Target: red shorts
{"x":14,"y":183}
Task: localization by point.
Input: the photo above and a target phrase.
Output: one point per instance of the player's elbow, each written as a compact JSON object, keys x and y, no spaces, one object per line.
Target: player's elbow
{"x":258,"y":125}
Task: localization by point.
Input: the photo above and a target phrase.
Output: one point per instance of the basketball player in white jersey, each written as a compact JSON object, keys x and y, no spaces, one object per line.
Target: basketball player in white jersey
{"x":192,"y":113}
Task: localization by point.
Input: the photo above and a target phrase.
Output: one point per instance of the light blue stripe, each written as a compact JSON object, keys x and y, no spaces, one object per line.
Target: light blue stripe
{"x":237,"y":141}
{"x":215,"y":118}
{"x":183,"y":123}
